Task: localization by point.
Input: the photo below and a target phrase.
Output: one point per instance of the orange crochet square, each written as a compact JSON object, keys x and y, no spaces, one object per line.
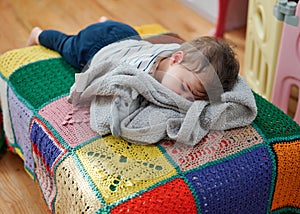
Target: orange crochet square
{"x":287,"y":188}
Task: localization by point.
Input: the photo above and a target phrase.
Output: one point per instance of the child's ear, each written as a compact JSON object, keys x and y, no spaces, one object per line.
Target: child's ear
{"x":177,"y":57}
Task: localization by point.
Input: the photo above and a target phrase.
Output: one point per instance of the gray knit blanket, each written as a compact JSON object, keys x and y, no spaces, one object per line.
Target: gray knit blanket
{"x":131,"y":104}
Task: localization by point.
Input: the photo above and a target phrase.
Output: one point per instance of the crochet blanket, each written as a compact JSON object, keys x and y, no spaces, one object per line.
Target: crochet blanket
{"x":2,"y":137}
{"x":251,"y":169}
{"x":129,"y":103}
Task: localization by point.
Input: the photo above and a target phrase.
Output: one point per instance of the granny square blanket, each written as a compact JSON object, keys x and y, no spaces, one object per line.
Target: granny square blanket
{"x":253,"y":169}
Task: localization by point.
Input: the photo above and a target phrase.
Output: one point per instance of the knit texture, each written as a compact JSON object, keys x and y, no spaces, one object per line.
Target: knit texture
{"x":139,"y":109}
{"x":251,"y":169}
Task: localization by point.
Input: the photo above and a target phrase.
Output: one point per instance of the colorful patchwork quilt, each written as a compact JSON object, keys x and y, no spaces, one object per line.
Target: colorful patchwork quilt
{"x":253,"y":169}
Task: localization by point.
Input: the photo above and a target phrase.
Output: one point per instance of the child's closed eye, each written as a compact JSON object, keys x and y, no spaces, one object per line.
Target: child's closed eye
{"x":185,"y":88}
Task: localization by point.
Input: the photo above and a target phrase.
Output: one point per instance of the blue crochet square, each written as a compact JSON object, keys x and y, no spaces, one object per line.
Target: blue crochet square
{"x":45,"y":145}
{"x":237,"y":185}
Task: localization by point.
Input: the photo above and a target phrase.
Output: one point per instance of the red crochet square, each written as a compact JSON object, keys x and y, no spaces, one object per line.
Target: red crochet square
{"x":171,"y":197}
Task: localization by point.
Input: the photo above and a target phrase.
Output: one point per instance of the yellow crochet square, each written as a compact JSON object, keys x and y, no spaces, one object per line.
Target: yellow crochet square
{"x":70,"y":181}
{"x":12,"y":60}
{"x":150,"y":29}
{"x":119,"y":169}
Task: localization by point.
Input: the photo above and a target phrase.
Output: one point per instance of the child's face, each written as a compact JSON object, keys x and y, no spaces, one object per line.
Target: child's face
{"x":183,"y":82}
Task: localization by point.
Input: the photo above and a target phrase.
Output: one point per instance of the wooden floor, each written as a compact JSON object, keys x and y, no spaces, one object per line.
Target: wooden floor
{"x":18,"y":192}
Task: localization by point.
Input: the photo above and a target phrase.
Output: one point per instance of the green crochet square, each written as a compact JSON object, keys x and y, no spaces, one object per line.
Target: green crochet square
{"x":273,"y":122}
{"x":42,"y":81}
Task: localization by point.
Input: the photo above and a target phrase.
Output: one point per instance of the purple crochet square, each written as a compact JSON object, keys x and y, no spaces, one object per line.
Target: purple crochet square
{"x":237,"y":185}
{"x":20,"y":119}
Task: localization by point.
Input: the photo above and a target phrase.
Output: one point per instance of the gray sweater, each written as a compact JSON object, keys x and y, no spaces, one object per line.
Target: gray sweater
{"x":132,"y":104}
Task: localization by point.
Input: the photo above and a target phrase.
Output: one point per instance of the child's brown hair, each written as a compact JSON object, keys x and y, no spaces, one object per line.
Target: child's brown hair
{"x":216,"y":56}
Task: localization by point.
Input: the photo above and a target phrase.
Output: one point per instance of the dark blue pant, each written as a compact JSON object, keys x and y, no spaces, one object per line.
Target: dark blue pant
{"x":79,"y":49}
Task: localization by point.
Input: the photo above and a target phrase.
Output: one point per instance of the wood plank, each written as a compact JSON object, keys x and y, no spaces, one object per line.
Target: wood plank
{"x":18,"y":192}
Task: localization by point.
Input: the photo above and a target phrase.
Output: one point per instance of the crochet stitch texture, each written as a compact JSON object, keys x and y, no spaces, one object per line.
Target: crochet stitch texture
{"x":253,"y":169}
